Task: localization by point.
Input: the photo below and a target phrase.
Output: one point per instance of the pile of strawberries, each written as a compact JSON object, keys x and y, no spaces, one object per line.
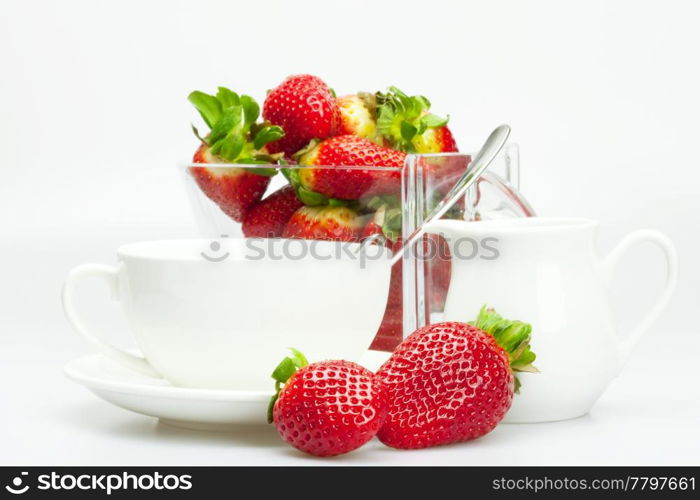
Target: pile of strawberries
{"x":445,"y":383}
{"x":304,"y":123}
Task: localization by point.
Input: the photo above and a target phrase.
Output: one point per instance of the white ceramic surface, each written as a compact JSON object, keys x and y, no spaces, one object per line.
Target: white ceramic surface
{"x":222,"y":317}
{"x":547,"y":273}
{"x":201,"y":409}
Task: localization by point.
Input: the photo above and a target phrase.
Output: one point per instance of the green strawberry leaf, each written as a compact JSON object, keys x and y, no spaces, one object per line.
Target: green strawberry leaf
{"x":512,"y":336}
{"x":196,"y":133}
{"x":234,"y":134}
{"x":400,"y":100}
{"x":311,"y":198}
{"x":377,"y":201}
{"x":403,"y":119}
{"x":298,"y":358}
{"x":267,"y":135}
{"x":230,"y":119}
{"x":408,"y":131}
{"x":282,"y":373}
{"x":251,"y":110}
{"x":208,"y":106}
{"x":265,"y":171}
{"x":523,"y":360}
{"x":421,"y":102}
{"x":337,"y":202}
{"x":260,"y":160}
{"x":229,"y":148}
{"x":433,"y":121}
{"x":227,"y":98}
{"x":389,"y":220}
{"x":392,"y":220}
{"x":305,"y":195}
{"x":386,"y":121}
{"x":284,"y":370}
{"x":292,"y":175}
{"x":280,"y":159}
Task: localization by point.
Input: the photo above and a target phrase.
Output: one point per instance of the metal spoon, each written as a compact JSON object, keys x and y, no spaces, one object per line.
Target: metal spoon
{"x":478,"y":165}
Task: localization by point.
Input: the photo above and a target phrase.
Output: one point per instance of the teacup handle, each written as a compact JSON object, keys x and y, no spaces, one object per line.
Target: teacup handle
{"x":108,"y":274}
{"x":664,"y":243}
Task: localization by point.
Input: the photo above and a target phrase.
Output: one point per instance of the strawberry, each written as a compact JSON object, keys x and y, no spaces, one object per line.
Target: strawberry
{"x":406,"y":124}
{"x":269,"y":217}
{"x":305,"y":107}
{"x":358,"y":116}
{"x":438,"y":270}
{"x":451,"y":382}
{"x":386,"y":223}
{"x":234,"y":138}
{"x":325,"y":223}
{"x":326,"y":408}
{"x":437,"y":281}
{"x":390,"y":332}
{"x":436,"y":140}
{"x":233,"y":189}
{"x":349,"y":184}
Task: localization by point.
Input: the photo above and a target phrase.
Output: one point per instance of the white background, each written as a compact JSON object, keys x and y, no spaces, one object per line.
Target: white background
{"x":602,"y":97}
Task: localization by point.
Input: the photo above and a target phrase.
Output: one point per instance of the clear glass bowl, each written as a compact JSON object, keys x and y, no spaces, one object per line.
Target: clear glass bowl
{"x":420,"y":282}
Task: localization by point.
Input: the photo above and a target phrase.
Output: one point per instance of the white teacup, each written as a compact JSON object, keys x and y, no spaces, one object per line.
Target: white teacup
{"x":547,"y":272}
{"x":221,"y":315}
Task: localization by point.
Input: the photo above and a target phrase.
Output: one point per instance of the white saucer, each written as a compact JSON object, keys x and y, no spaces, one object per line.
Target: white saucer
{"x":201,"y":409}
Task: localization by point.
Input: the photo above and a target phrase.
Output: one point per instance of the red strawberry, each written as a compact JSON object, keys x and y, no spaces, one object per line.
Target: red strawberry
{"x":350,"y":184}
{"x":233,"y":189}
{"x":390,"y":332}
{"x":358,"y":116}
{"x":269,"y":217}
{"x":325,"y":223}
{"x":436,"y":140}
{"x":438,"y":270}
{"x":451,"y":382}
{"x":386,"y":222}
{"x":437,"y":281}
{"x":304,"y":106}
{"x":234,"y":138}
{"x":326,"y":408}
{"x":404,"y":121}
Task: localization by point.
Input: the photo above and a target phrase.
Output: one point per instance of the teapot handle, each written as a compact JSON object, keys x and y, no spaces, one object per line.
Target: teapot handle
{"x":610,"y":263}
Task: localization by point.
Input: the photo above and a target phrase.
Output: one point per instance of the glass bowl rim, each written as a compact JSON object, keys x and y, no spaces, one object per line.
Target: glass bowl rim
{"x":187,"y":165}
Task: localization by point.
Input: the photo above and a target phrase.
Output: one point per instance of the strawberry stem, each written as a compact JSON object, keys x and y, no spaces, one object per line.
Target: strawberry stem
{"x":402,"y":119}
{"x":235,"y":136}
{"x":283,"y":372}
{"x":307,"y":196}
{"x":512,"y":336}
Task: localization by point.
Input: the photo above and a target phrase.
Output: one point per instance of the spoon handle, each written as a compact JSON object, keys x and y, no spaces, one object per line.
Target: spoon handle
{"x":478,"y":165}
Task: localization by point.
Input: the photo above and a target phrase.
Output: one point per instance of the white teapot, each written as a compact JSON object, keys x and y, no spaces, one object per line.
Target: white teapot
{"x":546,"y":271}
